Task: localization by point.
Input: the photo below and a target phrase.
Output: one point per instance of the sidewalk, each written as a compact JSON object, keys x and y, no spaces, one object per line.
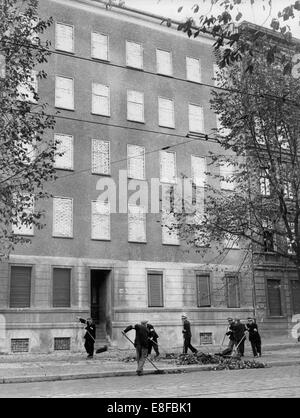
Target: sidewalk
{"x":21,"y":368}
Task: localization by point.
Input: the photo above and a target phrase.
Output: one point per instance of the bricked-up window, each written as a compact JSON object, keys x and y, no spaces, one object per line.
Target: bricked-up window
{"x":136,"y":162}
{"x":166,"y":113}
{"x":196,"y":123}
{"x":2,"y":66}
{"x":20,"y":287}
{"x":203,"y":290}
{"x":99,"y":46}
{"x":24,"y":89}
{"x":100,"y":99}
{"x":233,"y":291}
{"x":274,"y":297}
{"x":295,"y":293}
{"x":100,"y":220}
{"x":64,"y":37}
{"x":135,"y":106}
{"x":167,"y":167}
{"x":155,"y":289}
{"x":193,"y":69}
{"x":264,"y":183}
{"x":65,"y":148}
{"x":63,"y":217}
{"x":61,"y":287}
{"x":64,"y":92}
{"x":21,"y":228}
{"x":136,"y":224}
{"x":164,"y":62}
{"x":134,"y":55}
{"x":216,"y":70}
{"x":226,"y":173}
{"x":100,"y":156}
{"x":198,"y":165}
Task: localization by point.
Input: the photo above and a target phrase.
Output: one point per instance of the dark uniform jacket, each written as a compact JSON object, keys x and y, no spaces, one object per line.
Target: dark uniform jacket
{"x":253,"y":332}
{"x":90,"y":330}
{"x":230,"y":332}
{"x":186,"y":329}
{"x":141,"y":335}
{"x":152,"y":333}
{"x":238,"y":331}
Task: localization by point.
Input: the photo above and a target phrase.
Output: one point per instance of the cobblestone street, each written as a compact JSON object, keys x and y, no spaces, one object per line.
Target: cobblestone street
{"x":273,"y":382}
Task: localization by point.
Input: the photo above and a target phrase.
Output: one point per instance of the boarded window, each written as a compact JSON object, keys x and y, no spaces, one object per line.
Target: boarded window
{"x":134,"y":55}
{"x":2,"y":66}
{"x":20,"y":287}
{"x":64,"y":92}
{"x":155,"y":289}
{"x":264,"y":183}
{"x":167,"y":167}
{"x":65,"y":148}
{"x":226,"y":176}
{"x":62,"y":217}
{"x":64,"y":37}
{"x":136,"y":224}
{"x":295,"y":289}
{"x":166,"y":113}
{"x":22,"y":227}
{"x":61,"y":288}
{"x":233,"y":292}
{"x":198,"y":165}
{"x":136,"y":162}
{"x":193,"y":69}
{"x":274,"y":297}
{"x":100,"y":99}
{"x":216,"y":76}
{"x":135,"y":106}
{"x":100,"y":156}
{"x":196,"y":118}
{"x":203,"y":290}
{"x":170,"y":234}
{"x":100,"y":220}
{"x":99,"y":43}
{"x":164,"y":62}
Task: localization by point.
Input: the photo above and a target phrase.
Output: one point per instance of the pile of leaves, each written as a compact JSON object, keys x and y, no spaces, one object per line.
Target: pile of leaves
{"x":222,"y":363}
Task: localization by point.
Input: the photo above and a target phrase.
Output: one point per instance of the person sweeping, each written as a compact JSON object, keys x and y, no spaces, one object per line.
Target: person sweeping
{"x":141,"y":344}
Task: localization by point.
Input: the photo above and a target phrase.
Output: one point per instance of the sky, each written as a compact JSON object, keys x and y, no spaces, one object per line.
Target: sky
{"x":253,"y":13}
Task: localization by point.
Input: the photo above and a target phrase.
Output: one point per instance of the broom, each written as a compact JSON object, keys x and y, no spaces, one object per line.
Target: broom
{"x":157,"y":371}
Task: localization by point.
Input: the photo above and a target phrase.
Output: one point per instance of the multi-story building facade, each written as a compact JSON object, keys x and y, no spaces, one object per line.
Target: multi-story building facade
{"x":131,"y":93}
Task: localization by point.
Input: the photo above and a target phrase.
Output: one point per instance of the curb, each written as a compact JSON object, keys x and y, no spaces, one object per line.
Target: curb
{"x":97,"y":375}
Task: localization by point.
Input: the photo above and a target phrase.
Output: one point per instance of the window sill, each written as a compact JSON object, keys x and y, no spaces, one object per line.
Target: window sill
{"x":131,"y":67}
{"x":65,"y":108}
{"x":100,"y":114}
{"x":136,"y":121}
{"x":64,"y":169}
{"x":59,"y":236}
{"x":137,"y":242}
{"x":101,"y":239}
{"x":72,"y":53}
{"x":166,"y":127}
{"x":100,"y":174}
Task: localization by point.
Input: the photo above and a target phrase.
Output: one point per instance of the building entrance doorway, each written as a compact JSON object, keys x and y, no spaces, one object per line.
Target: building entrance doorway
{"x":101,"y":302}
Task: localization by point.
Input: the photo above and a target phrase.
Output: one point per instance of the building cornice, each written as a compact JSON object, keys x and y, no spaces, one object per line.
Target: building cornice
{"x":134,"y":16}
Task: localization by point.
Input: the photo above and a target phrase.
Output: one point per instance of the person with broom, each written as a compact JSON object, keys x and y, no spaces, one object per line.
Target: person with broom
{"x":187,"y":335}
{"x":239,"y":335}
{"x":141,"y":344}
{"x":89,"y":336}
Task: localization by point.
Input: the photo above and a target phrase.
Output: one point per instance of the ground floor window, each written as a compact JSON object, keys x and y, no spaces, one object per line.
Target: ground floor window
{"x":61,"y":287}
{"x":155,"y":289}
{"x":20,"y":287}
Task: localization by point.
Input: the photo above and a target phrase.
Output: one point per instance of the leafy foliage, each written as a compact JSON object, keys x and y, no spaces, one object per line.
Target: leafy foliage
{"x":26,"y":158}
